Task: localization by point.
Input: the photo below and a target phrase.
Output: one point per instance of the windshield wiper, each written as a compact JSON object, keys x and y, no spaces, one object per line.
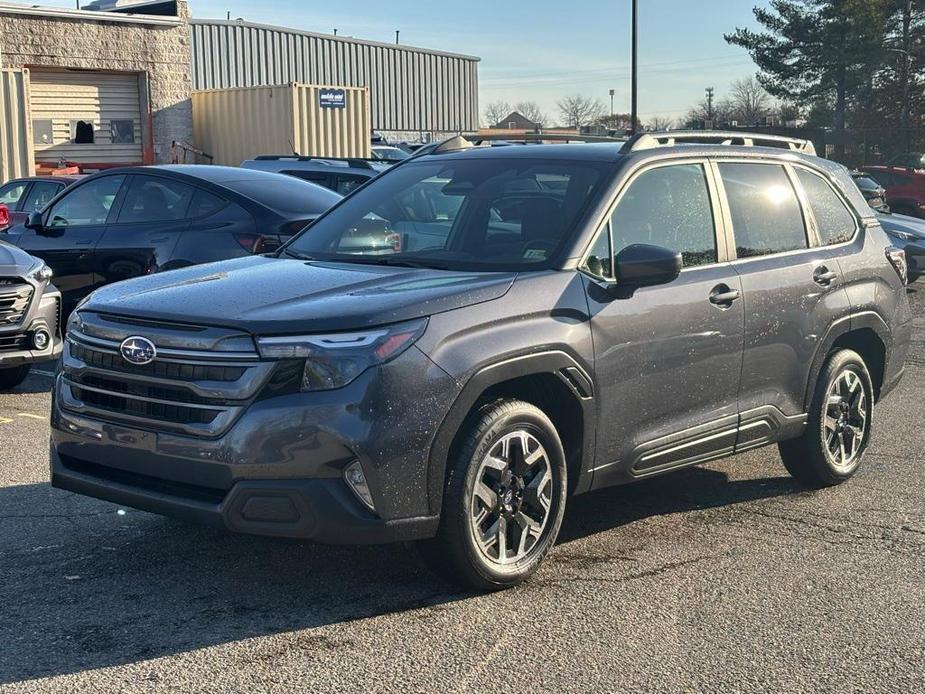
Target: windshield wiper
{"x":391,"y":260}
{"x":297,"y":255}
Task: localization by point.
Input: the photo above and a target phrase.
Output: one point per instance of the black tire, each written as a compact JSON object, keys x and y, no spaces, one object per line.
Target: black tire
{"x":810,"y":458}
{"x":455,"y":553}
{"x":12,"y":377}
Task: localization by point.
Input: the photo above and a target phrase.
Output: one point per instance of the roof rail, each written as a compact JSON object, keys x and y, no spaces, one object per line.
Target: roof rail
{"x":645,"y":141}
{"x":541,"y":137}
{"x":353,"y":162}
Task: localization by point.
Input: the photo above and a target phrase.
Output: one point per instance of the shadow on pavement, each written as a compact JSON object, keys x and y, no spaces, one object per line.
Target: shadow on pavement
{"x":83,"y":587}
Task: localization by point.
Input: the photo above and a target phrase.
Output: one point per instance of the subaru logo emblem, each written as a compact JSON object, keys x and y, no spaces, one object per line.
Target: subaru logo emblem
{"x":138,"y":350}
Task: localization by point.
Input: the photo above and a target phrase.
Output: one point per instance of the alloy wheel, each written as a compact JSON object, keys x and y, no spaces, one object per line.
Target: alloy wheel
{"x":845,"y":419}
{"x":512,"y":498}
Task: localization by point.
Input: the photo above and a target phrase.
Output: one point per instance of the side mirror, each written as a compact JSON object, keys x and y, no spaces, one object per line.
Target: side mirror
{"x":642,"y":265}
{"x":34,"y":222}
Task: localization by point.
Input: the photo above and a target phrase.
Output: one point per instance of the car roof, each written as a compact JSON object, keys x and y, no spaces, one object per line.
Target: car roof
{"x":364,"y":167}
{"x":64,"y":179}
{"x":596,"y":151}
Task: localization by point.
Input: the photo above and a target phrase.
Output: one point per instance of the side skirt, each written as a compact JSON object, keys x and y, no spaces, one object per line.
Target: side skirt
{"x":728,"y":436}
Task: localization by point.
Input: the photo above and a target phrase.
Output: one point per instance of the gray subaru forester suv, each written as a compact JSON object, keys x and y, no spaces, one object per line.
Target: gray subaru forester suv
{"x":545,"y":320}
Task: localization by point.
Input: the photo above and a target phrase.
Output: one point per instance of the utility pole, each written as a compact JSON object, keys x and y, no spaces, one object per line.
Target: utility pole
{"x":710,"y":92}
{"x":612,"y":92}
{"x":635,"y":98}
{"x":397,"y":32}
{"x":335,"y":31}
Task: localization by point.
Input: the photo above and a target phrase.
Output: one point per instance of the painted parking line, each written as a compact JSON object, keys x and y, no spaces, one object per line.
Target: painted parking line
{"x":47,"y":374}
{"x":32,"y":416}
{"x":5,"y":420}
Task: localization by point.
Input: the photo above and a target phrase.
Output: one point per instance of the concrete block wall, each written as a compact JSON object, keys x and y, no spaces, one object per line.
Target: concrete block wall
{"x":160,"y":52}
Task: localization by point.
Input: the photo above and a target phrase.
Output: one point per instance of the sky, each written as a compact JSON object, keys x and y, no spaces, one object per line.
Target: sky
{"x":539,"y":50}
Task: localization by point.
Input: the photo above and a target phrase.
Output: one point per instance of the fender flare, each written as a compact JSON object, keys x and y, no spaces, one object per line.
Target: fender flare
{"x":554,"y":362}
{"x":855,"y":321}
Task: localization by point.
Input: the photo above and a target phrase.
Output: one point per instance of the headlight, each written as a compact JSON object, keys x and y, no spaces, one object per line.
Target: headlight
{"x":41,"y":272}
{"x":332,"y":361}
{"x":904,"y":235}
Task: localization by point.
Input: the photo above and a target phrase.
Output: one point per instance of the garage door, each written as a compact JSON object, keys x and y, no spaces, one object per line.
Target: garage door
{"x":86,"y":117}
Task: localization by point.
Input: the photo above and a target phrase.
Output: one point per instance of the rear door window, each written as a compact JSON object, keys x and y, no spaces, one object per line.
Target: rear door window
{"x":766,"y":213}
{"x":834,"y":222}
{"x":205,"y":204}
{"x":40,"y":195}
{"x":154,"y":199}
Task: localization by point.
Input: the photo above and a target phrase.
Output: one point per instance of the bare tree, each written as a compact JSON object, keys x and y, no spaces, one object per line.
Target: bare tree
{"x":748,"y":101}
{"x":531,"y":111}
{"x":496,"y":111}
{"x":660,"y":124}
{"x":580,"y":110}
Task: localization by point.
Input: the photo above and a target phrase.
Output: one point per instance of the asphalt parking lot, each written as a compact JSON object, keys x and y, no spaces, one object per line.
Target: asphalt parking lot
{"x":724,"y":577}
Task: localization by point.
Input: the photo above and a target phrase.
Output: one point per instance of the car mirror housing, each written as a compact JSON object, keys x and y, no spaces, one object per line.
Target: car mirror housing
{"x":644,"y":265}
{"x":34,"y":222}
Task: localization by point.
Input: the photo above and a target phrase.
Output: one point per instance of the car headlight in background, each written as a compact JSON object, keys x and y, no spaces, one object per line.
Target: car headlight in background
{"x":41,"y":273}
{"x":334,"y":360}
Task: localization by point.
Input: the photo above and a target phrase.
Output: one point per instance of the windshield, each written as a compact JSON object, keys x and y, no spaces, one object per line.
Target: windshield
{"x":479,"y":213}
{"x":390,"y":153}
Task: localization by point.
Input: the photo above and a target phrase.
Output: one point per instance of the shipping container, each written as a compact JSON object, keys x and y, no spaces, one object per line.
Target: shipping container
{"x":16,"y":149}
{"x":411,"y":89}
{"x":232,"y":125}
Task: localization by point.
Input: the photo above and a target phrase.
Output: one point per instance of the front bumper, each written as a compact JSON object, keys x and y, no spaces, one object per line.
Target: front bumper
{"x":278,"y":470}
{"x":16,"y":347}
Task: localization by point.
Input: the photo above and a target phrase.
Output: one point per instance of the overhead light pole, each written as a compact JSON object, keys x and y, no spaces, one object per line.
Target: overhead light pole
{"x":635,"y":88}
{"x":612,"y":92}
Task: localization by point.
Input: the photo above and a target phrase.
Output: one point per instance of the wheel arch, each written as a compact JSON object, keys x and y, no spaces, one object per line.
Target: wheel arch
{"x":553,"y":381}
{"x":867,"y":334}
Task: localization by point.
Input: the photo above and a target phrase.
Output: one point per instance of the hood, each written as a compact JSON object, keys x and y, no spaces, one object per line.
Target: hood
{"x":14,"y":261}
{"x":899,"y":222}
{"x":278,"y":296}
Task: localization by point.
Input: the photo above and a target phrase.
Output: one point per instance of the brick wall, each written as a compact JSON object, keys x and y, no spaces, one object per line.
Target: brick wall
{"x":161,"y":52}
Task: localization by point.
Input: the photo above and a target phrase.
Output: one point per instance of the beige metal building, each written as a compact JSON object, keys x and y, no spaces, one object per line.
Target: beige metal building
{"x":232,"y":125}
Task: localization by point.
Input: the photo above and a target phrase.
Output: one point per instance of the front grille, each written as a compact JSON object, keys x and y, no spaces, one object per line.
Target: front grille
{"x":13,"y":343}
{"x":168,"y":370}
{"x":157,"y":411}
{"x":197,"y":392}
{"x":15,"y":296}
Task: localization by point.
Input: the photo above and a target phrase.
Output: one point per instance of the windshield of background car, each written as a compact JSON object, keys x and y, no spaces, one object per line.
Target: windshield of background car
{"x":461,"y":214}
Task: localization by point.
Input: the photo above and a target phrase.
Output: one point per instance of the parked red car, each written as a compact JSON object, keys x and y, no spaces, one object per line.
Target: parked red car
{"x":24,"y":195}
{"x":905,"y":188}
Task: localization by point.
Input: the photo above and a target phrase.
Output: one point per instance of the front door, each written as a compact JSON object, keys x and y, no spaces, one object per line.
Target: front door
{"x":72,"y":228}
{"x":142,"y":236}
{"x":667,"y":358}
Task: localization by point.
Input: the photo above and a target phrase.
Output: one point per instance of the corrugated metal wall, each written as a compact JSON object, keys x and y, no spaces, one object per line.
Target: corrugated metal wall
{"x":411,"y":89}
{"x":237,"y":124}
{"x":16,"y":155}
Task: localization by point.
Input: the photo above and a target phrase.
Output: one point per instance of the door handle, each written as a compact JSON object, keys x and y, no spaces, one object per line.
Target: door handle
{"x":723,"y":296}
{"x":824,"y":277}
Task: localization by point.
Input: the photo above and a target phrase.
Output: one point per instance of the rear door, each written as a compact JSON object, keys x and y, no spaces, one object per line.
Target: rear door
{"x":667,"y":358}
{"x":792,"y":288}
{"x":146,"y":229}
{"x":72,"y":228}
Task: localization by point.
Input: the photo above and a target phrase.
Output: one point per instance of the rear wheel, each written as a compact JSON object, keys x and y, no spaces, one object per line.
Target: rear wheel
{"x":504,"y":499}
{"x":838,"y":430}
{"x":12,"y":377}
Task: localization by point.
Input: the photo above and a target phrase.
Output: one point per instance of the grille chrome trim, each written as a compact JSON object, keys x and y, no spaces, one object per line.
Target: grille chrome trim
{"x":15,"y":299}
{"x":197,"y":392}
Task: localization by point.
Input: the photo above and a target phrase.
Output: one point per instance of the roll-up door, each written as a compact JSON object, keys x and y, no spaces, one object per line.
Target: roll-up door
{"x":86,"y":117}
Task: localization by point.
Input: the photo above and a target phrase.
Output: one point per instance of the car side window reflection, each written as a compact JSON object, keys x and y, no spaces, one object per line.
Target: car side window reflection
{"x":87,"y":204}
{"x":668,"y":206}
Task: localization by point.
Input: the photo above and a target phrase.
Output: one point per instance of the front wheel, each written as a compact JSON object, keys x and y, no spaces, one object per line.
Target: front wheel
{"x":838,"y":429}
{"x":504,"y":499}
{"x":12,"y":377}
